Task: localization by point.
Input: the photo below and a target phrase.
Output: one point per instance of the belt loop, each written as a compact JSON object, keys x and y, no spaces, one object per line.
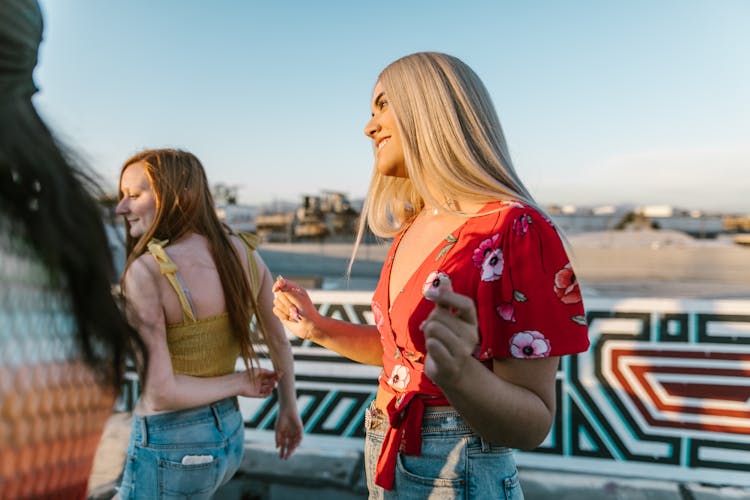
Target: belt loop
{"x":486,"y":445}
{"x":144,"y":431}
{"x":217,"y":417}
{"x":368,"y":418}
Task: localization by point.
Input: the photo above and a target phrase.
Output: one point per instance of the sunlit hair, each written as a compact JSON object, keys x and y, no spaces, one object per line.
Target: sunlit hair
{"x":450,"y":134}
{"x":184,"y":204}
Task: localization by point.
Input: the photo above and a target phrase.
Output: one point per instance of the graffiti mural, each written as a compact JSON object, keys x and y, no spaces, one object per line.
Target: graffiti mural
{"x":332,"y":391}
{"x":663,"y":392}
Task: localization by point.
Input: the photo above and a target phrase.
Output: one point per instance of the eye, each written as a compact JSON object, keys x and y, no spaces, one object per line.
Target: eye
{"x":382,"y":104}
{"x":133,"y":196}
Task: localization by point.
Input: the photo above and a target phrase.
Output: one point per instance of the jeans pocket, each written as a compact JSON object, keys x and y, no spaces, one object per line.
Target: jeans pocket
{"x":512,"y":487}
{"x":418,"y":477}
{"x":187,"y":481}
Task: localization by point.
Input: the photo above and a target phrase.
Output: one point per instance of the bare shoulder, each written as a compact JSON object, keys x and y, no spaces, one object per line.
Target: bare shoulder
{"x":144,"y":270}
{"x":238,"y":244}
{"x":242,"y":248}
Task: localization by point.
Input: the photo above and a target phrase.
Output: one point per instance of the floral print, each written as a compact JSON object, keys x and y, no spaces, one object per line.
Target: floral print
{"x":492,"y":267}
{"x":521,"y":225}
{"x":529,"y":344}
{"x":506,"y":311}
{"x":515,"y":269}
{"x":451,"y":240}
{"x":503,"y":260}
{"x":489,"y":259}
{"x":485,"y":247}
{"x":377,"y":315}
{"x":432,"y":283}
{"x":566,"y":285}
{"x":399,"y":378}
{"x":413,"y":356}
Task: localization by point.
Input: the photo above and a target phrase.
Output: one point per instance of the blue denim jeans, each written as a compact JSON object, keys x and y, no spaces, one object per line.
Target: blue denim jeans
{"x":183,"y":454}
{"x":455,"y":462}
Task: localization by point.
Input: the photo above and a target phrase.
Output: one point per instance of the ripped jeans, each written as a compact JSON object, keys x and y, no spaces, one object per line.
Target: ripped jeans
{"x":183,"y":454}
{"x":455,"y":462}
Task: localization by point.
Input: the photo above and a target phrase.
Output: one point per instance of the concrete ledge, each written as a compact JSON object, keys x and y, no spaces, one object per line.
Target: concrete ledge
{"x":310,"y":473}
{"x":695,"y":491}
{"x":307,"y":467}
{"x":543,"y":484}
{"x":321,"y":473}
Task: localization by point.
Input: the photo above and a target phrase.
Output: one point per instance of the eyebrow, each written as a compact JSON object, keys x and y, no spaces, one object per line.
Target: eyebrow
{"x":376,"y":101}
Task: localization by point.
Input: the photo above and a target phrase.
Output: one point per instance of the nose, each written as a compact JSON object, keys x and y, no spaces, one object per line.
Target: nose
{"x":371,"y":127}
{"x":121,"y":208}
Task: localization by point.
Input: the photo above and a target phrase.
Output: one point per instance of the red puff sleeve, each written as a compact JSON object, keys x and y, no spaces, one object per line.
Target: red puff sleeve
{"x":528,"y":306}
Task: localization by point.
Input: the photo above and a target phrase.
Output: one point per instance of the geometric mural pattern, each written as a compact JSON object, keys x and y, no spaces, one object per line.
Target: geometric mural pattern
{"x":666,"y":388}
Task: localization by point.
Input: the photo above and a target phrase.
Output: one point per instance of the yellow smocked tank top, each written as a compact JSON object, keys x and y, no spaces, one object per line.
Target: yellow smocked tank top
{"x":203,"y":347}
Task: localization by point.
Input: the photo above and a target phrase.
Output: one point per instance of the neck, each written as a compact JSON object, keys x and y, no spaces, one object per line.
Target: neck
{"x":451,"y":206}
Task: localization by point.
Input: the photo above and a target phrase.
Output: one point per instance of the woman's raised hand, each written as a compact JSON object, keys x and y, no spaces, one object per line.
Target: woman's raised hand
{"x":451,"y":334}
{"x":262,"y":384}
{"x":293,"y":307}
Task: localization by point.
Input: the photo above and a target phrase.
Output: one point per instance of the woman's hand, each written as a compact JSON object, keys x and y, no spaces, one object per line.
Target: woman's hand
{"x":294,"y":308}
{"x":288,"y":430}
{"x":262,"y":384}
{"x":451,"y":335}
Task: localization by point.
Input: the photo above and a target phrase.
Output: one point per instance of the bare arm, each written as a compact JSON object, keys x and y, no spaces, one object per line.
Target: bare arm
{"x":288,"y":424}
{"x":296,"y":311}
{"x":516,"y":404}
{"x":165,"y":391}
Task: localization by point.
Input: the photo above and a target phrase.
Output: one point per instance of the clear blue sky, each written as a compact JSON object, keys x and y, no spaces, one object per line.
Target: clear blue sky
{"x":601,"y":101}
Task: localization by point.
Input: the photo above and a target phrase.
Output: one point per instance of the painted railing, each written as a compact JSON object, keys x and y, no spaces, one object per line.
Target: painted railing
{"x":663,"y":392}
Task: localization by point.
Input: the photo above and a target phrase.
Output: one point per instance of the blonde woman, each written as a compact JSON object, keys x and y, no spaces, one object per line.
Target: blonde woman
{"x":476,"y":301}
{"x":191,"y":290}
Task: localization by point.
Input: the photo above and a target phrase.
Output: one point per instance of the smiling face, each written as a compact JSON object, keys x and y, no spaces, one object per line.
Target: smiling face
{"x":138,"y":203}
{"x":382,"y":129}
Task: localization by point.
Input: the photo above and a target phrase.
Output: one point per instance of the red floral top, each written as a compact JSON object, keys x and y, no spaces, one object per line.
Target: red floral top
{"x":513,"y":264}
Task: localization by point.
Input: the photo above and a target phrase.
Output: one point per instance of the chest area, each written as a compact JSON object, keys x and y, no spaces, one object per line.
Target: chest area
{"x":424,"y":243}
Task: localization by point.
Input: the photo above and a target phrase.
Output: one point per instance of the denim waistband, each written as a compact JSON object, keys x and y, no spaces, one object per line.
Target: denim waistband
{"x":433,"y":420}
{"x":186,"y":417}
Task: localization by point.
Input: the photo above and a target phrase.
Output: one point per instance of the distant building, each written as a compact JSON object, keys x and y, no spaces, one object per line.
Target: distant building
{"x":325,"y":216}
{"x":693,"y":222}
{"x":737,"y":223}
{"x":572,"y":219}
{"x":656,"y":211}
{"x":238,"y":217}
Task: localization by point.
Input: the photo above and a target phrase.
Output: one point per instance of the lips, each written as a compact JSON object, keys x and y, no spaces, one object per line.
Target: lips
{"x":382,"y":143}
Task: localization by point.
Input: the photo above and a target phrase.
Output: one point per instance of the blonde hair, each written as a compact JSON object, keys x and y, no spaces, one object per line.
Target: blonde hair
{"x":184,"y":204}
{"x":450,"y":134}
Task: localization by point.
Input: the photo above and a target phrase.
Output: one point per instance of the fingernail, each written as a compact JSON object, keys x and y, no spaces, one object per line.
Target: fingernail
{"x":432,"y":293}
{"x":433,"y":287}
